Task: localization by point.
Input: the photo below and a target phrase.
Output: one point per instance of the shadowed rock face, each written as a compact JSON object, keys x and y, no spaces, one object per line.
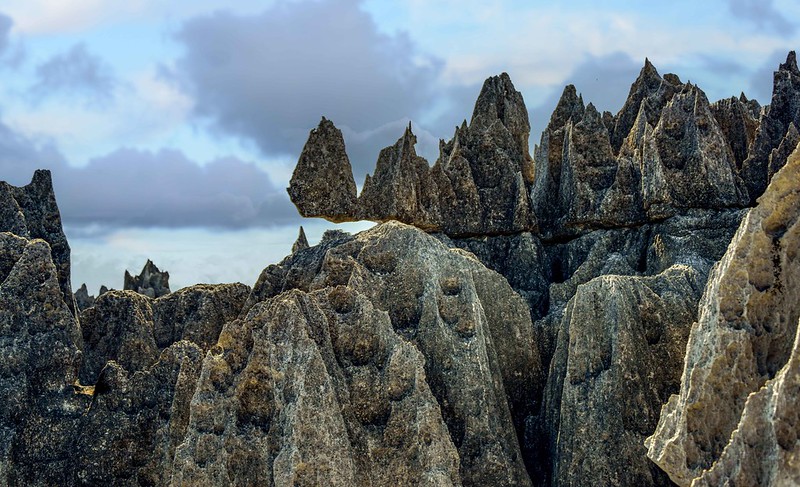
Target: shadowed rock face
{"x":781,"y":116}
{"x":31,"y":212}
{"x":478,"y":185}
{"x":323,"y":185}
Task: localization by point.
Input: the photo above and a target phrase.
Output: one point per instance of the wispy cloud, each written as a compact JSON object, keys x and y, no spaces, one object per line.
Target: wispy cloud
{"x":763,"y":14}
{"x":74,"y":73}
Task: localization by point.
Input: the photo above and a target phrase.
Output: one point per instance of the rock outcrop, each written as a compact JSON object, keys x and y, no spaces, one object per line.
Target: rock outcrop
{"x":83,"y":299}
{"x":40,"y":346}
{"x":151,"y":281}
{"x":522,"y":325}
{"x":480,"y":360}
{"x":323,"y":185}
{"x":478,"y":186}
{"x":744,"y":334}
{"x":779,"y":122}
{"x":31,"y":212}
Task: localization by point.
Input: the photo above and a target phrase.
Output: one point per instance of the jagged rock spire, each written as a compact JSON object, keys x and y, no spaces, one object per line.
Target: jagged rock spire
{"x":301,"y":242}
{"x":151,"y":281}
{"x":322,"y":183}
{"x":649,"y":88}
{"x":784,"y":110}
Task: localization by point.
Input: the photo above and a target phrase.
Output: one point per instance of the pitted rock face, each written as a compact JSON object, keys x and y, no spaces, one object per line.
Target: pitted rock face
{"x":744,"y":335}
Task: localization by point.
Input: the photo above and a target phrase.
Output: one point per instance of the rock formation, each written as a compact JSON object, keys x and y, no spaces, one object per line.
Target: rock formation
{"x":744,"y":335}
{"x":523,"y":323}
{"x":324,"y":185}
{"x":83,"y":299}
{"x":31,"y":212}
{"x":151,"y":281}
{"x":478,"y":186}
{"x":780,"y":122}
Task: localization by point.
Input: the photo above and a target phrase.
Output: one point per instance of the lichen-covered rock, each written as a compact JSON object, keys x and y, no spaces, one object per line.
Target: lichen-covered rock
{"x":401,"y":188}
{"x":748,"y":319}
{"x":40,"y":345}
{"x":618,"y":357}
{"x":686,"y":160}
{"x":783,"y":111}
{"x":322,"y":183}
{"x":118,"y":327}
{"x":129,"y":433}
{"x":151,"y":281}
{"x":132,"y":329}
{"x":475,"y":334}
{"x":197,"y":313}
{"x":313,"y":389}
{"x":31,"y":211}
{"x":478,"y":186}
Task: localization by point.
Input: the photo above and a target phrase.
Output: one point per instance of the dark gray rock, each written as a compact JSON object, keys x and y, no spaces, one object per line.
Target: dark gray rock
{"x":32,"y":212}
{"x":40,"y":345}
{"x":478,"y":186}
{"x":312,"y":389}
{"x":618,"y":357}
{"x":401,"y":188}
{"x":301,"y":243}
{"x":129,"y":433}
{"x":151,"y":281}
{"x":322,"y":183}
{"x":197,"y":313}
{"x":783,"y":110}
{"x":83,"y":299}
{"x":738,"y":119}
{"x":480,"y":360}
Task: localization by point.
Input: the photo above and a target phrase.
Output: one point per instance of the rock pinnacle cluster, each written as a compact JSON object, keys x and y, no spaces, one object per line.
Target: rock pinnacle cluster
{"x":618,"y":306}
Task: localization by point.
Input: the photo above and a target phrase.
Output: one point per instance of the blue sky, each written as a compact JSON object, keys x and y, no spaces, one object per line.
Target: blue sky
{"x":172,"y":127}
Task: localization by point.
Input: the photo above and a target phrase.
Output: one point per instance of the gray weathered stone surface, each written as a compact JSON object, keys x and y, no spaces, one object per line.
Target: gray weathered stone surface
{"x":475,"y":334}
{"x":618,"y":358}
{"x":322,"y":183}
{"x":783,"y":111}
{"x":478,"y":186}
{"x":744,"y":334}
{"x":83,"y":299}
{"x":40,"y":346}
{"x":129,"y":432}
{"x":151,"y":282}
{"x":31,"y":211}
{"x":312,"y":389}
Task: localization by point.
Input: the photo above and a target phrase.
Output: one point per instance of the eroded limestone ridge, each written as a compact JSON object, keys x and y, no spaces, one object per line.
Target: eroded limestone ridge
{"x":741,"y":344}
{"x":666,"y":152}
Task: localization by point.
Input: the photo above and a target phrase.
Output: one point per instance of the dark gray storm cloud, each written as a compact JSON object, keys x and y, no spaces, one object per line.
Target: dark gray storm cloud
{"x":75,"y":73}
{"x":762,"y":14}
{"x":270,"y":77}
{"x":150,"y":189}
{"x":602,"y":80}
